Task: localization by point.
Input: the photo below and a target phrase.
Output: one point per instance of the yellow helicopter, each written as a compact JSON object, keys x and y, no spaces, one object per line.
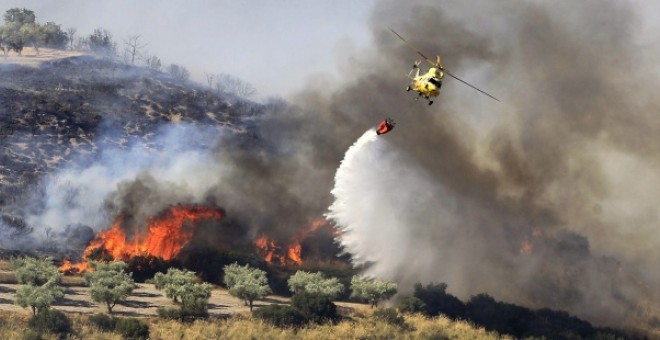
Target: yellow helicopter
{"x":428,"y":85}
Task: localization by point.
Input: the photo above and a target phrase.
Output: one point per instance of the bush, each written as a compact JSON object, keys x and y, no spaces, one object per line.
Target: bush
{"x":103,"y":322}
{"x":132,"y":328}
{"x":437,"y":301}
{"x":50,"y":320}
{"x":391,"y":316}
{"x":32,"y":334}
{"x":145,"y":267}
{"x":280,"y":316}
{"x":170,"y":313}
{"x":315,"y":307}
{"x":411,"y":304}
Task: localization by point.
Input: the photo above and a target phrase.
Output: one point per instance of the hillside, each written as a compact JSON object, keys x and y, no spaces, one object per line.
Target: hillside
{"x":64,"y":112}
{"x":58,"y":109}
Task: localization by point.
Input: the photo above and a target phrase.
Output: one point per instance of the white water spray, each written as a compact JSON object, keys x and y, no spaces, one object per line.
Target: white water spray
{"x":383,"y":202}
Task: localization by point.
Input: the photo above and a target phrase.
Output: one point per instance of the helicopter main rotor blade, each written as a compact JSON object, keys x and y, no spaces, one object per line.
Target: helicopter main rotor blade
{"x":470,"y":85}
{"x":412,"y":47}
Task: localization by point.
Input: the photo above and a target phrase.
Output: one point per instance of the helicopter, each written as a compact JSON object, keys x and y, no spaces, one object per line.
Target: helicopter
{"x":428,"y":85}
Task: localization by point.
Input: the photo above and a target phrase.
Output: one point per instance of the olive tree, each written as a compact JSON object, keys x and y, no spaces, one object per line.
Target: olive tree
{"x":315,"y":283}
{"x":37,"y":272}
{"x":40,"y":283}
{"x":372,"y":290}
{"x":38,"y":297}
{"x":173,"y":282}
{"x":109,"y":283}
{"x":195,"y":298}
{"x":246,"y":283}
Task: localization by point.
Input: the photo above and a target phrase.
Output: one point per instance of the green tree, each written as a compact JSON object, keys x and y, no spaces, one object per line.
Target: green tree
{"x":19,"y":16}
{"x":101,"y":42}
{"x":372,"y":290}
{"x":315,"y":283}
{"x":52,"y":36}
{"x":31,"y":34}
{"x":173,"y":282}
{"x":109,"y":283}
{"x":38,"y":298}
{"x":245,"y":282}
{"x":195,"y":299}
{"x":37,"y":272}
{"x":11,"y":38}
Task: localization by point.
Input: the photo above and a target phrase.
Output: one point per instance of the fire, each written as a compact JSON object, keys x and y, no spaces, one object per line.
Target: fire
{"x":69,"y":267}
{"x":268,"y":248}
{"x":295,"y":252}
{"x":165,"y":237}
{"x":526,"y":247}
{"x":272,"y":252}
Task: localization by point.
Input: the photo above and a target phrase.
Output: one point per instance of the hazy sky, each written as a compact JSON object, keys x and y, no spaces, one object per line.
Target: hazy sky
{"x":274,"y":45}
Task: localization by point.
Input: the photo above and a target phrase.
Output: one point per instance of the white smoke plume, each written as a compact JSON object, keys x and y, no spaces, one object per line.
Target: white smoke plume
{"x":90,"y":192}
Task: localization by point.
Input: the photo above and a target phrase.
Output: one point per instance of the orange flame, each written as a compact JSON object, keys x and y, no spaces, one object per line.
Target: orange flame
{"x":271,"y":251}
{"x":526,"y":247}
{"x":295,"y":252}
{"x":166,"y":235}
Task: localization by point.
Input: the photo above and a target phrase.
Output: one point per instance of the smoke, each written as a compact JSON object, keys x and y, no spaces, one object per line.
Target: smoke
{"x":136,"y":181}
{"x":545,"y":200}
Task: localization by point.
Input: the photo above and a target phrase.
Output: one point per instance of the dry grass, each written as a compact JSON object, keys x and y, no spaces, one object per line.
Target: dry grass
{"x":5,"y":265}
{"x":29,"y":56}
{"x":242,"y":326}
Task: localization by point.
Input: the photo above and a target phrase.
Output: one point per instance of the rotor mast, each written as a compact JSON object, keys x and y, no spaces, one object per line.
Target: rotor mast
{"x":412,"y":47}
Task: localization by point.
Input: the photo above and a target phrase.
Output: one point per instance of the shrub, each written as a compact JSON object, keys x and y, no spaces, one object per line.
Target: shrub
{"x":280,"y":316}
{"x":390,"y":315}
{"x":32,"y":334}
{"x":437,"y":301}
{"x":170,"y":313}
{"x":315,"y":307}
{"x":132,"y":328}
{"x":103,"y":322}
{"x":411,"y":304}
{"x":145,"y":267}
{"x":50,"y":320}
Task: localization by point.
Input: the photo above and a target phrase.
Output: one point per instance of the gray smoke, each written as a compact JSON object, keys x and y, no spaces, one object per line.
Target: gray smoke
{"x":545,"y":200}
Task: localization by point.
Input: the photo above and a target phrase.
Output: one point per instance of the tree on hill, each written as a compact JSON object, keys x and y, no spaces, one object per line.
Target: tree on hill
{"x":52,"y":36}
{"x":245,"y":282}
{"x":315,"y":283}
{"x":21,"y":28}
{"x":133,"y":48}
{"x":372,"y":290}
{"x":178,"y":72}
{"x":19,"y":16}
{"x":230,"y":84}
{"x":109,"y":283}
{"x":100,"y":42}
{"x":174,"y":282}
